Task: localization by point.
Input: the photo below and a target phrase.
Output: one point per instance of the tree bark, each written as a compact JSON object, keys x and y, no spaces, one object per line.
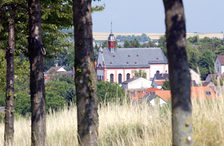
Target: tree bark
{"x":85,"y":77}
{"x":180,"y":79}
{"x":37,"y":89}
{"x":9,"y":110}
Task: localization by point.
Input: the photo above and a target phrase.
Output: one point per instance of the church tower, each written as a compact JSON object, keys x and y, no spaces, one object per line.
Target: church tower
{"x":111,"y":41}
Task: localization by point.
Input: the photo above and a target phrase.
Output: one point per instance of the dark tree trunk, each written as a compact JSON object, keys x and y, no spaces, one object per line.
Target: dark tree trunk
{"x":36,"y":51}
{"x":9,"y":110}
{"x":180,"y":79}
{"x":85,"y":77}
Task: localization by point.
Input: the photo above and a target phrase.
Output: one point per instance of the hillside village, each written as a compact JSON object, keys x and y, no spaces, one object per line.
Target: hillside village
{"x":142,"y":73}
{"x":62,"y":84}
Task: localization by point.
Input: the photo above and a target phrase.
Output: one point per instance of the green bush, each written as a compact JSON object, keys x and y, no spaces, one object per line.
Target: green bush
{"x":108,"y":92}
{"x":22,"y":103}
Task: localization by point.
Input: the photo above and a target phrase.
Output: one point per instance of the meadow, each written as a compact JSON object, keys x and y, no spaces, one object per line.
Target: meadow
{"x":129,"y":124}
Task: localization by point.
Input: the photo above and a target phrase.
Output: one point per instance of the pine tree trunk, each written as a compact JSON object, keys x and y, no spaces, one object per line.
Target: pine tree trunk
{"x":38,"y":117}
{"x":180,"y":79}
{"x":85,"y":77}
{"x":9,"y":110}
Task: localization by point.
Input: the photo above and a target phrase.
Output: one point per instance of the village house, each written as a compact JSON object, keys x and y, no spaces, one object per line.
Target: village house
{"x":159,"y":79}
{"x":56,"y":71}
{"x":136,"y":83}
{"x":118,"y":64}
{"x":161,"y":97}
{"x":219,"y":64}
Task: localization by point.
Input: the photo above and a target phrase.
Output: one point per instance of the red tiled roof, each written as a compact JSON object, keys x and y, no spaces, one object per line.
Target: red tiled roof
{"x":53,"y":69}
{"x":152,"y":89}
{"x":213,"y":75}
{"x":138,"y":96}
{"x":47,"y":78}
{"x":221,"y":59}
{"x":196,"y":93}
{"x":160,"y":82}
{"x":164,"y":94}
{"x":202,"y":92}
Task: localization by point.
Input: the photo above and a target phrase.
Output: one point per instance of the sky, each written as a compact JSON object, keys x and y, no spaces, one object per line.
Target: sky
{"x":147,"y":16}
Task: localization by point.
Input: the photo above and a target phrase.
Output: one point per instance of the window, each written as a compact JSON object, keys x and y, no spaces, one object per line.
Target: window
{"x":111,"y":78}
{"x":119,"y":78}
{"x":208,"y":93}
{"x":128,"y":76}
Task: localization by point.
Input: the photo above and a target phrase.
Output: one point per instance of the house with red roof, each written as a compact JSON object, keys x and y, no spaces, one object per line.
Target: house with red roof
{"x":159,"y":79}
{"x":161,"y":97}
{"x":219,"y":64}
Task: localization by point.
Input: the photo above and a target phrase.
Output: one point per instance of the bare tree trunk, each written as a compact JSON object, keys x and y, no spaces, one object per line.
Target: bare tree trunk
{"x":180,"y":78}
{"x":36,"y":51}
{"x":9,"y":110}
{"x":85,"y":77}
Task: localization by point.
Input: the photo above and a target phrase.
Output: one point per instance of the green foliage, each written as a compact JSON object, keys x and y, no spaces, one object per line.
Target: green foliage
{"x":109,"y":92}
{"x":206,"y":63}
{"x":139,"y":73}
{"x":141,"y":38}
{"x":22,"y":103}
{"x":58,"y":94}
{"x":162,"y":44}
{"x":193,"y":56}
{"x":149,"y":44}
{"x":166,"y":85}
{"x":132,"y":44}
{"x":217,"y":81}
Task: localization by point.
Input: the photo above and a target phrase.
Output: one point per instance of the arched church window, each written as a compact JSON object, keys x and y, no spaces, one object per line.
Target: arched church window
{"x":111,"y":78}
{"x":128,"y":76}
{"x":119,"y":78}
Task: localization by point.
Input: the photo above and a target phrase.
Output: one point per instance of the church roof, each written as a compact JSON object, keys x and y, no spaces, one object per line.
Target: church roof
{"x":133,"y":57}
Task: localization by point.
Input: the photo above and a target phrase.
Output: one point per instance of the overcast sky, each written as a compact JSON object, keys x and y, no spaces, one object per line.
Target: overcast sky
{"x":147,"y":16}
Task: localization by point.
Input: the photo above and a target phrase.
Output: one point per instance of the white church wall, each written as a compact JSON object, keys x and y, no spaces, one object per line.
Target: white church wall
{"x":162,"y":68}
{"x":108,"y":74}
{"x":147,"y":71}
{"x":126,"y":71}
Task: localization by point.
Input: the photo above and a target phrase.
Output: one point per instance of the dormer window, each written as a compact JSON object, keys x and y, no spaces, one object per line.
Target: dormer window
{"x":208,"y":92}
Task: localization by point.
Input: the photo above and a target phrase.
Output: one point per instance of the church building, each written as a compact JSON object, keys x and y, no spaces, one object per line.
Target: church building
{"x":119,"y":64}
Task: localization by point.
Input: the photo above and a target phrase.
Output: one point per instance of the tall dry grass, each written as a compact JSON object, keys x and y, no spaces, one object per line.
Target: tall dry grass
{"x":130,"y":125}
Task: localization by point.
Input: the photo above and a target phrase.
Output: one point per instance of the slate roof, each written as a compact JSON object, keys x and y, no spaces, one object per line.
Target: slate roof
{"x":162,"y":76}
{"x":221,"y":59}
{"x":133,"y":57}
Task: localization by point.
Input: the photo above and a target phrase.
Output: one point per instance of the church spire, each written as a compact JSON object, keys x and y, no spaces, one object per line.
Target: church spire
{"x":111,"y":26}
{"x":111,"y":41}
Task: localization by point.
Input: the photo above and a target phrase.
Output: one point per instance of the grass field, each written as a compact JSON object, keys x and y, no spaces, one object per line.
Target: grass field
{"x":129,"y":125}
